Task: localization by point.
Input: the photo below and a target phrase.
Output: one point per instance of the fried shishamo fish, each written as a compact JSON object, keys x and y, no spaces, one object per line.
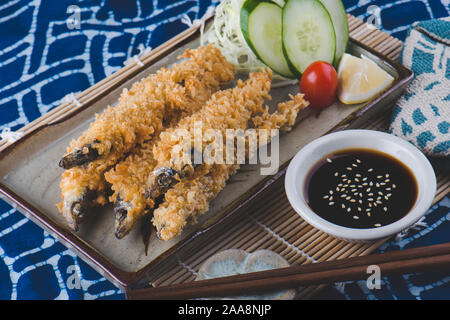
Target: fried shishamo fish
{"x":140,"y":115}
{"x":187,"y":200}
{"x":231,"y":108}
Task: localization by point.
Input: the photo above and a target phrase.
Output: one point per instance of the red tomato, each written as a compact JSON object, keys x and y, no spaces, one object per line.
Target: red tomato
{"x":319,"y":84}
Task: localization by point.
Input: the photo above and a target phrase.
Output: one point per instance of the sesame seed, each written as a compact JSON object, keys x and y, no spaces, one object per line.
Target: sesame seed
{"x":359,"y":209}
{"x":337,"y":189}
{"x":370,"y":199}
{"x":348,"y":198}
{"x":387,"y":180}
{"x":368,"y":214}
{"x":370,"y":194}
{"x":385,"y":209}
{"x":343,"y":206}
{"x":343,"y":195}
{"x":356,"y":179}
{"x":355,"y":217}
{"x":331,"y":198}
{"x":382,"y":184}
{"x":358,"y":175}
{"x":345,"y":185}
{"x":329,"y":160}
{"x":360,"y":201}
{"x":388,"y":195}
{"x":349,"y":169}
{"x":387,"y":175}
{"x":377,"y":185}
{"x":394,"y":186}
{"x":354,"y":165}
{"x":365,"y":178}
{"x":336,"y":174}
{"x":349,"y":209}
{"x":380,"y":193}
{"x":340,"y":185}
{"x":331,"y":203}
{"x":353,"y":190}
{"x":331,"y":191}
{"x":352,"y":200}
{"x":370,"y":170}
{"x":344,"y":175}
{"x":377,"y":225}
{"x":371,"y":183}
{"x":357,"y":160}
{"x":388,"y":189}
{"x":326,"y":196}
{"x":352,"y":185}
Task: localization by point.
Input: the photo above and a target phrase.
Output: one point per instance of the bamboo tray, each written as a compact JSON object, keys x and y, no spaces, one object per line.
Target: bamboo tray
{"x":124,"y":261}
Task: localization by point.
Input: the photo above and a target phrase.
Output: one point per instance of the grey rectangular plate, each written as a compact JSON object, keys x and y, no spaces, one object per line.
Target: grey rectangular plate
{"x":30,"y":176}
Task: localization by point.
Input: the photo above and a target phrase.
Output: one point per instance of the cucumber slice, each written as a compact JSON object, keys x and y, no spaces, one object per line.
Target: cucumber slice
{"x":308,"y":34}
{"x":261,"y":27}
{"x":338,"y":16}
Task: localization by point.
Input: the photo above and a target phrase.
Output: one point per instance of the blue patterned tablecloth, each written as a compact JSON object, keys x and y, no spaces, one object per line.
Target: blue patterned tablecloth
{"x":44,"y":57}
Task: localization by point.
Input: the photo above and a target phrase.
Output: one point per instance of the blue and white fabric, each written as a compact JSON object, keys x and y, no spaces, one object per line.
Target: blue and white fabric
{"x":49,"y":49}
{"x":422,"y":115}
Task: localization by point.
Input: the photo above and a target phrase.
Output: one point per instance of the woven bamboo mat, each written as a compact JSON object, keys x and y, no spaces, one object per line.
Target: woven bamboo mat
{"x":269,"y":222}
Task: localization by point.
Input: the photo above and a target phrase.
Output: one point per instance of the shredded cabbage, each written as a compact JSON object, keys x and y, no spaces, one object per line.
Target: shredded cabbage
{"x":225,"y":33}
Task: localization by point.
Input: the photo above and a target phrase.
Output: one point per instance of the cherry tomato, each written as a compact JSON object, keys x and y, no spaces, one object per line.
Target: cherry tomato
{"x":319,"y":84}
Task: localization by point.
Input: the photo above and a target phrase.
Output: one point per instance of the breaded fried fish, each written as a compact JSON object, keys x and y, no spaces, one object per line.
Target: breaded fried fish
{"x":139,"y":116}
{"x":229,"y":108}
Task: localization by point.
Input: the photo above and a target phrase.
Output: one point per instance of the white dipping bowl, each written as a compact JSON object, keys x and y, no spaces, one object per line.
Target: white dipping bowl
{"x":304,"y":161}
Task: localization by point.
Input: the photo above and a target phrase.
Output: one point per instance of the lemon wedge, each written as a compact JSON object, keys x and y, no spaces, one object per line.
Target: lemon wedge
{"x":360,"y":79}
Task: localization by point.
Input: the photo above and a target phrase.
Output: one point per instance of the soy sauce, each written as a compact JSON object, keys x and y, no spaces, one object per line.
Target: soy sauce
{"x":361,"y":188}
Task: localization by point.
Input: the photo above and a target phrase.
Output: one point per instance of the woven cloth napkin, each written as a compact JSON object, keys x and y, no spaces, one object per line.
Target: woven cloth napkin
{"x":422,"y":114}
